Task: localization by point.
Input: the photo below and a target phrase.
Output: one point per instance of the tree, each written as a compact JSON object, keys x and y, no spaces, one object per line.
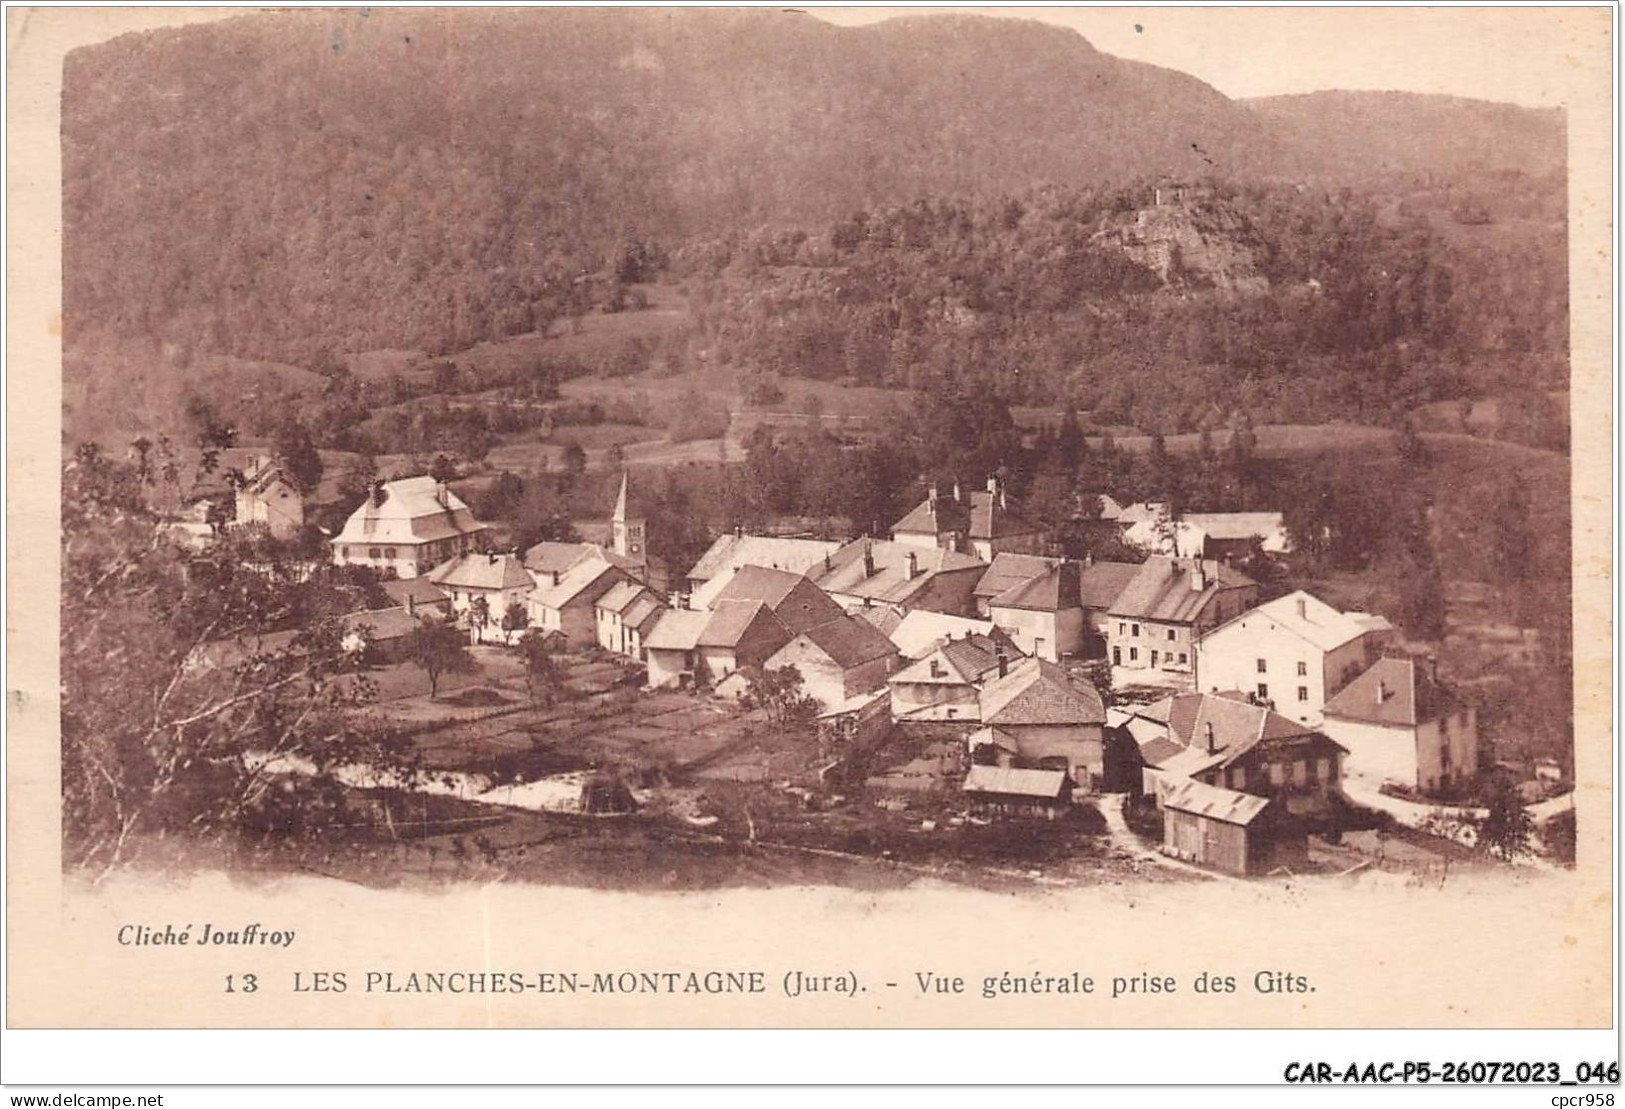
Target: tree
{"x":479,"y":613}
{"x":779,"y":693}
{"x":541,"y":671}
{"x":438,"y":648}
{"x":514,"y":619}
{"x":575,"y":458}
{"x":1507,"y":830}
{"x":300,"y":461}
{"x":442,"y":469}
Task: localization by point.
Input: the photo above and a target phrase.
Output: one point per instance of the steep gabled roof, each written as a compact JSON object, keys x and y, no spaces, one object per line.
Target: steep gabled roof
{"x":990,"y":519}
{"x":547,"y":557}
{"x":1396,"y":692}
{"x":579,"y":579}
{"x":796,"y":602}
{"x":1055,"y":590}
{"x":848,"y":574}
{"x":1101,"y":583}
{"x":1220,"y":728}
{"x":936,"y":515}
{"x":646,"y":605}
{"x":850,"y":642}
{"x":1162,"y":589}
{"x":619,"y":596}
{"x":733,"y":622}
{"x":414,"y":510}
{"x":1008,"y":570}
{"x":1035,"y":691}
{"x":420,"y":591}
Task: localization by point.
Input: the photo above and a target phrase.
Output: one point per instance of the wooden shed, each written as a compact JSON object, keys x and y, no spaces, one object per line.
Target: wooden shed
{"x":1237,"y":833}
{"x":1008,"y":791}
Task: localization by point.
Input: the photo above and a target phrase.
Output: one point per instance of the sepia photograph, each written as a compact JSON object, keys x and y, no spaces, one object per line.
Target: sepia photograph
{"x":870,"y":465}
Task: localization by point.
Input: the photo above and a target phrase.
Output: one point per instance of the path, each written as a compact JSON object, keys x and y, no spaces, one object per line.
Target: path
{"x":1123,"y":838}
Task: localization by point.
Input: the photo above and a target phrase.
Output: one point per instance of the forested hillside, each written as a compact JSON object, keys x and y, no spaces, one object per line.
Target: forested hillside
{"x":294,"y":187}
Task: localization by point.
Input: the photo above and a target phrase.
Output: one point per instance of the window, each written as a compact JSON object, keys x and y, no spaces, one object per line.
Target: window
{"x":1323,"y":769}
{"x":1263,"y":667}
{"x":389,"y":552}
{"x":372,"y":552}
{"x":1303,"y":669}
{"x":1153,"y":658}
{"x":1170,"y":635}
{"x":1277,"y":774}
{"x":1263,"y":692}
{"x":1134,"y":654}
{"x":1300,"y":772}
{"x":1122,"y":628}
{"x":1136,"y":629}
{"x":1303,"y":693}
{"x":1238,"y":777}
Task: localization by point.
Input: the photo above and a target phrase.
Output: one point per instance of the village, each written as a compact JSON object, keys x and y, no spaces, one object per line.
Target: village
{"x":945,"y":696}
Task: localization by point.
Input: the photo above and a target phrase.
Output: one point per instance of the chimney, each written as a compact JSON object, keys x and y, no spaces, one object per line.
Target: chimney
{"x":1303,"y":609}
{"x":440,"y":493}
{"x":868,"y":560}
{"x":1003,"y":660}
{"x":411,"y":605}
{"x":931,"y":496}
{"x":1208,"y":730}
{"x":556,"y":577}
{"x":993,"y":484}
{"x":826,"y":562}
{"x":491,"y":558}
{"x":1382,"y":691}
{"x":913,"y":566}
{"x":1088,"y":558}
{"x":1198,"y":576}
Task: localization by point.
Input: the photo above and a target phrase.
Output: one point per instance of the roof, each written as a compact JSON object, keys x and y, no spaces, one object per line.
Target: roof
{"x":884,"y":618}
{"x":482,"y":571}
{"x":545,"y":558}
{"x":1307,"y":617}
{"x":1228,"y":724}
{"x":420,"y":591}
{"x":1055,"y":590}
{"x":1162,"y":589}
{"x":620,"y":595}
{"x":640,"y":610}
{"x":934,"y":516}
{"x":574,"y":582}
{"x":1110,"y":510}
{"x":414,"y":510}
{"x":1101,"y":583}
{"x":1140,"y":511}
{"x":1224,"y":805}
{"x":732,"y":552}
{"x":1008,"y":569}
{"x":1158,"y":750}
{"x":850,"y":642}
{"x":921,"y":631}
{"x":1048,"y":784}
{"x":678,"y":629}
{"x":733,"y":621}
{"x":1409,"y":695}
{"x":797,"y":602}
{"x":990,"y":519}
{"x":890,"y":582}
{"x":381,"y":625}
{"x":1035,"y":691}
{"x":1237,"y":525}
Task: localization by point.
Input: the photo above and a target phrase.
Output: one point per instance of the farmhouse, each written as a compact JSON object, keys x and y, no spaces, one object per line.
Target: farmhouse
{"x":1228,"y":741}
{"x":672,"y":647}
{"x":1292,"y":653}
{"x":983,"y":524}
{"x":1044,"y":615}
{"x":1400,"y":725}
{"x":563,"y":600}
{"x":266,"y":497}
{"x":418,"y":594}
{"x":1153,"y":626}
{"x":623,"y":615}
{"x":838,"y":660}
{"x":409,"y":526}
{"x":381,"y":635}
{"x":1055,"y":720}
{"x":946,"y":683}
{"x":490,"y":582}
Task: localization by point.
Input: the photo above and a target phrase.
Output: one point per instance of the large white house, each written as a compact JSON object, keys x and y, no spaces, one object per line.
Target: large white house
{"x":410,"y":526}
{"x":1400,"y":725}
{"x":1293,"y":653}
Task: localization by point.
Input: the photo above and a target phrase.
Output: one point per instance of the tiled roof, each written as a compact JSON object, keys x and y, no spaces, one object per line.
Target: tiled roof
{"x":732,"y":621}
{"x":546,"y":557}
{"x":381,"y":625}
{"x":1008,"y":569}
{"x":935,"y":515}
{"x":1409,"y":696}
{"x":678,"y":629}
{"x":482,"y":571}
{"x":920,"y":632}
{"x":421,"y":591}
{"x":848,"y":575}
{"x":1055,"y":590}
{"x":1047,"y":784}
{"x":1035,"y":691}
{"x":619,"y":596}
{"x":1101,"y":583}
{"x":576,"y":581}
{"x":1224,"y":805}
{"x":850,"y":642}
{"x":1236,"y":725}
{"x":414,"y":510}
{"x":1162,"y":589}
{"x":646,"y":606}
{"x":1306,"y":616}
{"x":731,"y":552}
{"x":990,"y":519}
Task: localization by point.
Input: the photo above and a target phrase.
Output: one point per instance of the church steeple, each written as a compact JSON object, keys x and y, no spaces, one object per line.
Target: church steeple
{"x":626,"y":530}
{"x":620,"y":502}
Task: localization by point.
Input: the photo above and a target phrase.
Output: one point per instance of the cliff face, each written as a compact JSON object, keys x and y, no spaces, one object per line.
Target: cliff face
{"x":1190,"y":240}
